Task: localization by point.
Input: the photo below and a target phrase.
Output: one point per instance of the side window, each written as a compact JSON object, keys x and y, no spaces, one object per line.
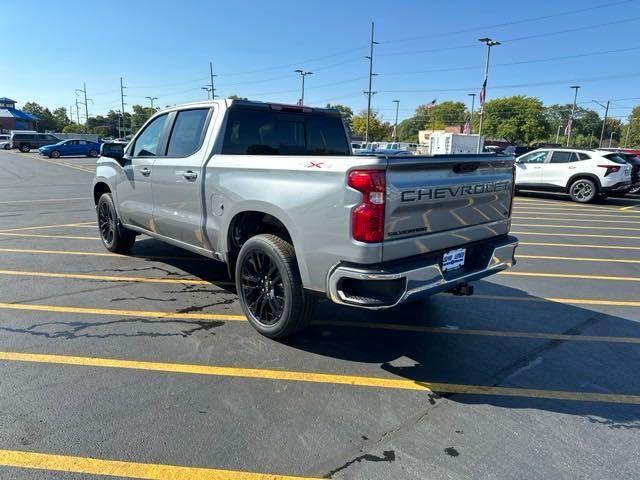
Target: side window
{"x":50,"y":137}
{"x":186,"y":135}
{"x":535,"y":157}
{"x":562,"y":157}
{"x":148,"y":141}
{"x":584,"y":156}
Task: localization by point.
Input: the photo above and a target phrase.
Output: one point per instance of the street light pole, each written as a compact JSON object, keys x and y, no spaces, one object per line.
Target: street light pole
{"x":302,"y":74}
{"x":208,"y":89}
{"x":395,"y":128}
{"x":213,"y":90}
{"x":611,"y":138}
{"x":573,"y":111}
{"x":489,"y":43}
{"x":473,"y":104}
{"x":626,"y":138}
{"x":604,"y":121}
{"x":151,"y":99}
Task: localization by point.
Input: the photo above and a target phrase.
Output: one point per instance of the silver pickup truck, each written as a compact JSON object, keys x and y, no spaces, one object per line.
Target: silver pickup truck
{"x":275,"y":192}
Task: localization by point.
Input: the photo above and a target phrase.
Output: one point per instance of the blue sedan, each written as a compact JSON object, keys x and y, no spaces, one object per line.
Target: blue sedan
{"x":71,"y":147}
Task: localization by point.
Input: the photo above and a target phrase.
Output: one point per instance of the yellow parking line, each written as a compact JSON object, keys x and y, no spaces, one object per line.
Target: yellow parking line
{"x":35,"y":235}
{"x":568,"y":301}
{"x":544,"y":212}
{"x":577,"y":220}
{"x":577,"y":245}
{"x":578,"y":259}
{"x":60,"y":164}
{"x":589,"y":235}
{"x":107,"y":278}
{"x":323,"y":378}
{"x":629,"y":207}
{"x":478,"y":332}
{"x":41,"y":227}
{"x":114,"y":468}
{"x":103,"y":254}
{"x":116,"y":312}
{"x":46,"y":200}
{"x":567,"y":206}
{"x":579,"y":276}
{"x":589,"y":227}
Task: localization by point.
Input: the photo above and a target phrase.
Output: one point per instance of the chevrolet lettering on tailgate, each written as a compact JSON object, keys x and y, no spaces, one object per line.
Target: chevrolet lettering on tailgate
{"x":440,"y":193}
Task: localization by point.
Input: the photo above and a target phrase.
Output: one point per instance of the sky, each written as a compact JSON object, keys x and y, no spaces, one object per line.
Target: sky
{"x":426,"y":50}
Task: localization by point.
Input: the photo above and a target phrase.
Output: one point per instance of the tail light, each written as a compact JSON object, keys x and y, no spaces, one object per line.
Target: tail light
{"x":610,"y":169}
{"x":367,"y":219}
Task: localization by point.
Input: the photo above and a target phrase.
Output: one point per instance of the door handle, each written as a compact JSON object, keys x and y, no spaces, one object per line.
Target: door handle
{"x":573,"y":168}
{"x":190,"y":175}
{"x":145,"y":171}
{"x":537,"y":168}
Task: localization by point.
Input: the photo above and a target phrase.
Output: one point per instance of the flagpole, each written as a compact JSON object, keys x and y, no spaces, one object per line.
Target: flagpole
{"x":483,"y":93}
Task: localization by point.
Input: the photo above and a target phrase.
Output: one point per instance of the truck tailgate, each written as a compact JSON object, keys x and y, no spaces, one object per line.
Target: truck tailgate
{"x":443,"y":201}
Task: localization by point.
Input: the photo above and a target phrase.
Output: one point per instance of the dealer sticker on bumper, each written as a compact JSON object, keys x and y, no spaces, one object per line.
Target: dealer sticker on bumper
{"x":453,"y":259}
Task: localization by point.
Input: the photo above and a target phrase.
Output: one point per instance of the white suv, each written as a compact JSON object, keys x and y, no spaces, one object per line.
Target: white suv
{"x":583,"y":174}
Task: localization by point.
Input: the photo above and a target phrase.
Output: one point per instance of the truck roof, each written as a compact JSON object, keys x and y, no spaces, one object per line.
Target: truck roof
{"x":230,"y":102}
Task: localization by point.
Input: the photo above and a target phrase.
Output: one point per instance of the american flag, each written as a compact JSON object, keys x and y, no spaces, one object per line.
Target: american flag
{"x":567,"y":128}
{"x":467,"y":128}
{"x":432,"y":103}
{"x":483,"y":92}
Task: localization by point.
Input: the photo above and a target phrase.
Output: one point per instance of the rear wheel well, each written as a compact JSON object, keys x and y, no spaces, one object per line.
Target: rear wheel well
{"x":249,"y":224}
{"x":98,"y":190}
{"x":584,"y":176}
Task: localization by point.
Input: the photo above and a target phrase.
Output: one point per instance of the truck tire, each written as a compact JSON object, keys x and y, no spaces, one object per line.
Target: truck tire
{"x":583,"y":190}
{"x":270,"y":288}
{"x":114,"y":236}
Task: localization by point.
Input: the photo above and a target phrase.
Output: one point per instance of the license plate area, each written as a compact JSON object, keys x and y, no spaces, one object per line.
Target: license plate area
{"x":453,"y":259}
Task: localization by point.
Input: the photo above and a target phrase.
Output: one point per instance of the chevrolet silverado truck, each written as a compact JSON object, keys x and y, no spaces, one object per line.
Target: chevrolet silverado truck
{"x":275,"y":192}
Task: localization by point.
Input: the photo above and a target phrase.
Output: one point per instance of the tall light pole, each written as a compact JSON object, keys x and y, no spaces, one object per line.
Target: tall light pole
{"x":611,"y":138}
{"x":483,"y":96}
{"x":302,"y":74}
{"x":473,"y":105}
{"x":395,"y":127}
{"x":122,"y":95}
{"x":151,"y":99}
{"x":573,"y":111}
{"x":369,"y":92}
{"x":604,"y":121}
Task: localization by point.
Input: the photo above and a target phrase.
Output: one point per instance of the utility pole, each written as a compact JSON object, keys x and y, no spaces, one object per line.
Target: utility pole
{"x":302,"y":74}
{"x":489,"y":43}
{"x":122,"y":95}
{"x":558,"y":133}
{"x":626,"y":138}
{"x":213,"y":90}
{"x":611,"y":138}
{"x":86,"y":103}
{"x":573,"y":111}
{"x":71,"y":113}
{"x":604,"y":121}
{"x":395,"y":127}
{"x":473,"y":103}
{"x":151,"y":99}
{"x":77,"y":111}
{"x":369,"y":92}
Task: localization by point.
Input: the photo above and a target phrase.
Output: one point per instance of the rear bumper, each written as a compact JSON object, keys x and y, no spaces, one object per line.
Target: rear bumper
{"x":408,"y":279}
{"x":617,"y":187}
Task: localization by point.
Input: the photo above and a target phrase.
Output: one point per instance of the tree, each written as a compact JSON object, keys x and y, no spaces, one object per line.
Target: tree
{"x":73,"y":128}
{"x":586,"y":122}
{"x":46,"y":120}
{"x":140,"y":116}
{"x":634,"y":133}
{"x":518,"y":119}
{"x":61,"y":118}
{"x":236,"y":97}
{"x":346,"y":113}
{"x":428,"y":117}
{"x":378,"y":130}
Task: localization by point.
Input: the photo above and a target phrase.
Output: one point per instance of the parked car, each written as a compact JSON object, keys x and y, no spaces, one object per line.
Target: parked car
{"x":5,"y":141}
{"x":26,"y":141}
{"x":71,"y":147}
{"x":274,"y":192}
{"x":633,"y":158}
{"x":584,"y":174}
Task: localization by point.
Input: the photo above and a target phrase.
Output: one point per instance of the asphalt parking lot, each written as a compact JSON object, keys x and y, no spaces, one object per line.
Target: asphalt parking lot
{"x":142,"y":366}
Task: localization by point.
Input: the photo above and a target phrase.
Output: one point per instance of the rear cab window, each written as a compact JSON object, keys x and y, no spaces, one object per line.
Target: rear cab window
{"x":261,"y":131}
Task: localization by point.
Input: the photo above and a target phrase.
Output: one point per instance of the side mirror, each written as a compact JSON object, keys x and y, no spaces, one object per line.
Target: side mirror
{"x":113,"y":150}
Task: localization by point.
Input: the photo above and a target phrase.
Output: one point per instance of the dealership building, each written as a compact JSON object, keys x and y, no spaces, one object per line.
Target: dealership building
{"x":13,"y":119}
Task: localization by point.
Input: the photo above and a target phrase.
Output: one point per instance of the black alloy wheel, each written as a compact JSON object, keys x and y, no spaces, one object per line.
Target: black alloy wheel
{"x":262,"y":287}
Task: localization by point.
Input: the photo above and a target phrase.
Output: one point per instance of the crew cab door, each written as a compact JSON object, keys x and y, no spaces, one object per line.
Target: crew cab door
{"x":178,"y":178}
{"x":133,"y":190}
{"x":529,"y":168}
